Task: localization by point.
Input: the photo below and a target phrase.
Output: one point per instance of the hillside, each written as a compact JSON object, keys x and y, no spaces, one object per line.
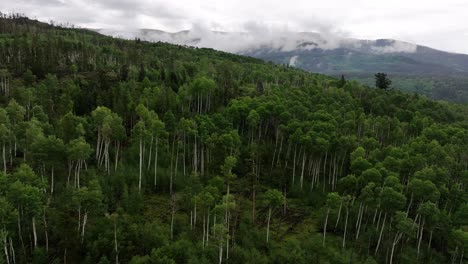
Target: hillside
{"x":409,"y":65}
{"x":126,"y":151}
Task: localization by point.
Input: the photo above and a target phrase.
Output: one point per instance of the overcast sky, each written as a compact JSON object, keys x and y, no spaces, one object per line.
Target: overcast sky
{"x":441,"y":24}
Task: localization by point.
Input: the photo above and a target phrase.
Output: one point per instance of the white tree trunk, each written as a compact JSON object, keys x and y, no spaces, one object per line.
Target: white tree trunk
{"x":380,"y":236}
{"x":117,"y":149}
{"x":325,"y":226}
{"x":395,"y":242}
{"x":46,"y":232}
{"x":208,"y":229}
{"x":303,"y":165}
{"x":141,"y":165}
{"x":268,"y":224}
{"x":345,"y":227}
{"x":156,"y":164}
{"x":339,"y":214}
{"x":220,"y":252}
{"x":294,"y":165}
{"x":116,"y":245}
{"x":195,"y":215}
{"x":52,"y":181}
{"x":203,"y":234}
{"x":5,"y":247}
{"x":85,"y":220}
{"x":4,"y":159}
{"x":34,"y":231}
{"x":421,"y":235}
{"x":150,"y":154}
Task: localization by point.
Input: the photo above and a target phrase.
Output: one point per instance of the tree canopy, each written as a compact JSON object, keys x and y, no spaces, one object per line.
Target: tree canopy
{"x":127,"y":151}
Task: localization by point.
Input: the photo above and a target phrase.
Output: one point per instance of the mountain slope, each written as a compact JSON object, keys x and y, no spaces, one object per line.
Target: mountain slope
{"x":125,"y":151}
{"x":407,"y":64}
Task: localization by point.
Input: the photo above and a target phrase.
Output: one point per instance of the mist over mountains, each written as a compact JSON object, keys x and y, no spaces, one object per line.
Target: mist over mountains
{"x":318,"y":52}
{"x":275,"y":40}
{"x":411,"y":66}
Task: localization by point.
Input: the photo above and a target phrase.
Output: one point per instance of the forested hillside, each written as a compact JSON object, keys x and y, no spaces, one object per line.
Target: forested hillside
{"x":117,"y":151}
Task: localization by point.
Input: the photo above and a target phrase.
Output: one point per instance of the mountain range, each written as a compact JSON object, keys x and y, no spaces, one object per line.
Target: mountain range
{"x":413,"y":68}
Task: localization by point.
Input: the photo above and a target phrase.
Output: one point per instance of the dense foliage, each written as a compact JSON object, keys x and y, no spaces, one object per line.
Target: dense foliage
{"x":451,"y":88}
{"x":134,"y":152}
{"x":436,"y":74}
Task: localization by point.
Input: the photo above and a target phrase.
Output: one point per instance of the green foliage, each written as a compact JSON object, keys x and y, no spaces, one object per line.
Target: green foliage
{"x":381,"y":81}
{"x":143,"y":152}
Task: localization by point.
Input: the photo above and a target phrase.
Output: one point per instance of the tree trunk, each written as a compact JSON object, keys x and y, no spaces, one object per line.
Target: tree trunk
{"x":98,"y":147}
{"x":176,"y":161}
{"x":208,"y":229}
{"x":430,"y":240}
{"x":339,"y":214}
{"x":421,"y":235}
{"x":227,"y":242}
{"x":117,"y":149}
{"x":5,"y":247}
{"x":220,"y":252}
{"x":325,"y":226}
{"x":294,"y":165}
{"x":85,"y":220}
{"x":395,"y":242}
{"x":34,"y":231}
{"x":172,"y":224}
{"x":191,"y":219}
{"x":4,"y":159}
{"x":253,"y":204}
{"x":227,"y":202}
{"x":12,"y":251}
{"x":150,"y":154}
{"x":170,"y":173}
{"x":195,"y":162}
{"x":268,"y":224}
{"x":79,"y":219}
{"x":20,"y":233}
{"x":46,"y":232}
{"x":115,"y":244}
{"x":184,"y":161}
{"x":195,"y":215}
{"x":409,"y":205}
{"x":141,"y":165}
{"x":303,"y":165}
{"x":52,"y":181}
{"x":156,"y":163}
{"x":346,"y":226}
{"x":325,"y":170}
{"x":380,"y":236}
{"x":204,"y":230}
{"x":359,"y":220}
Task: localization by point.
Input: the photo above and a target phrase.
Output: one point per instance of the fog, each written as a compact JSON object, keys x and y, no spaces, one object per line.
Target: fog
{"x":256,"y":36}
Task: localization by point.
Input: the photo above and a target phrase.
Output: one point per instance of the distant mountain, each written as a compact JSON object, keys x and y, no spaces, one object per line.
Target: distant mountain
{"x":411,"y":66}
{"x":369,"y":56}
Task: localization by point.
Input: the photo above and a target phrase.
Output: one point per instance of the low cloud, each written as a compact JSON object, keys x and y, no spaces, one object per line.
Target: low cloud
{"x":292,"y":61}
{"x":329,"y":24}
{"x":253,"y":35}
{"x":257,"y":36}
{"x":395,"y":47}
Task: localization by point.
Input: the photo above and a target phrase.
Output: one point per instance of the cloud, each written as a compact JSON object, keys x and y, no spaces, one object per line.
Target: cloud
{"x":261,"y":37}
{"x":251,"y":36}
{"x":395,"y":47}
{"x":293,"y":60}
{"x":267,"y":20}
{"x":124,"y":14}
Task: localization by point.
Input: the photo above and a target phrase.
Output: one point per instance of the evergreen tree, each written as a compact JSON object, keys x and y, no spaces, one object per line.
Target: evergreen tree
{"x":381,"y":81}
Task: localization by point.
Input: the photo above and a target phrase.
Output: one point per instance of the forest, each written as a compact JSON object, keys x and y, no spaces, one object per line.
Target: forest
{"x":125,"y":151}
